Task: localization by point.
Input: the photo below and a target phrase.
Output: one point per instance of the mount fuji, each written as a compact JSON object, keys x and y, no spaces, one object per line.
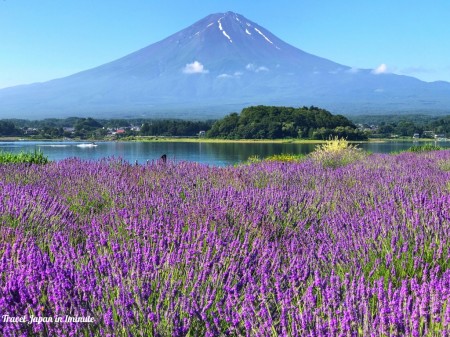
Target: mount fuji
{"x":221,"y":64}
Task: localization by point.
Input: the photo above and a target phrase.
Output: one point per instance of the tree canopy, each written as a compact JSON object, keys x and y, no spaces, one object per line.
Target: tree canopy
{"x":274,"y":122}
{"x":8,"y":128}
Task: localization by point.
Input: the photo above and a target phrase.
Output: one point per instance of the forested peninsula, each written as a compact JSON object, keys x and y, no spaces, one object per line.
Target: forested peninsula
{"x":274,"y":122}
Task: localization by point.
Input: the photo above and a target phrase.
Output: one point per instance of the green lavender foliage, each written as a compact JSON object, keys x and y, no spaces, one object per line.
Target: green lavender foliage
{"x":36,"y":157}
{"x":425,"y":148}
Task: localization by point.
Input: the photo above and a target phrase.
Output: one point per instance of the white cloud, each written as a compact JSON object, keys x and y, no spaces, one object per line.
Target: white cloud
{"x":261,"y":69}
{"x":252,"y":67}
{"x":236,"y":74}
{"x":381,"y":69}
{"x":195,"y":68}
{"x":224,"y":76}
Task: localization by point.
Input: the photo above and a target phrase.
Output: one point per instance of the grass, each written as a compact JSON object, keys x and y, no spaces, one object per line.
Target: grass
{"x":425,"y":148}
{"x":419,"y":148}
{"x":284,"y":158}
{"x":334,"y":153}
{"x":36,"y":157}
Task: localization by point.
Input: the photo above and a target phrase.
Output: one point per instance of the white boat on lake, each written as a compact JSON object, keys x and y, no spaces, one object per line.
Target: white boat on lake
{"x":87,"y":145}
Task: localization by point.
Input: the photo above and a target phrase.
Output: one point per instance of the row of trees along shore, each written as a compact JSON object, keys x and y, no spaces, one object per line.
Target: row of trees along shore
{"x":90,"y":128}
{"x":256,"y":122}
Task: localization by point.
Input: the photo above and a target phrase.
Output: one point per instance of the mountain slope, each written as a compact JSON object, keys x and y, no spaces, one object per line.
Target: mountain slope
{"x":220,"y":63}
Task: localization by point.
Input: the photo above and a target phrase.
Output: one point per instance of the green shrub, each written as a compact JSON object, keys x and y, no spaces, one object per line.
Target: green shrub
{"x":253,"y":160}
{"x":36,"y":157}
{"x":425,"y":148}
{"x":444,"y":165}
{"x":337,"y":152}
{"x":285,"y":157}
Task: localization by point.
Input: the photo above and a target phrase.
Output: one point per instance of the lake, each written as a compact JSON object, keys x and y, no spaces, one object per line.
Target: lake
{"x":218,"y":154}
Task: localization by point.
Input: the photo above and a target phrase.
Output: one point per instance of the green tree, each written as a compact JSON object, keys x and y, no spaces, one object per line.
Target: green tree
{"x":145,"y":129}
{"x":9,"y":129}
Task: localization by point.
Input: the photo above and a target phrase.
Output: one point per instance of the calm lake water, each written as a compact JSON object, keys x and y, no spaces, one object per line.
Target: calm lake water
{"x":218,"y":154}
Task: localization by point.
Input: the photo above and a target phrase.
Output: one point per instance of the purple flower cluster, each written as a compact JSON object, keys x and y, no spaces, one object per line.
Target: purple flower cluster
{"x":269,"y":249}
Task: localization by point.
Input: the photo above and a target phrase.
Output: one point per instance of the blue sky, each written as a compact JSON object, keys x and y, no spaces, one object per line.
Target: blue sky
{"x":46,"y":39}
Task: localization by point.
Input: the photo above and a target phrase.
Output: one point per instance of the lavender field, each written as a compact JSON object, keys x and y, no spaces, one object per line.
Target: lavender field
{"x":267,"y":249}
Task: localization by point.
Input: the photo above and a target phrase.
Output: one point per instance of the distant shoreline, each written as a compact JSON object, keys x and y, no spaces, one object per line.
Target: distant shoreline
{"x":273,"y":141}
{"x":161,"y":139}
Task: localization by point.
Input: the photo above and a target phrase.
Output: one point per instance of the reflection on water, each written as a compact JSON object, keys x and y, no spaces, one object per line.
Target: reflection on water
{"x":207,"y":153}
